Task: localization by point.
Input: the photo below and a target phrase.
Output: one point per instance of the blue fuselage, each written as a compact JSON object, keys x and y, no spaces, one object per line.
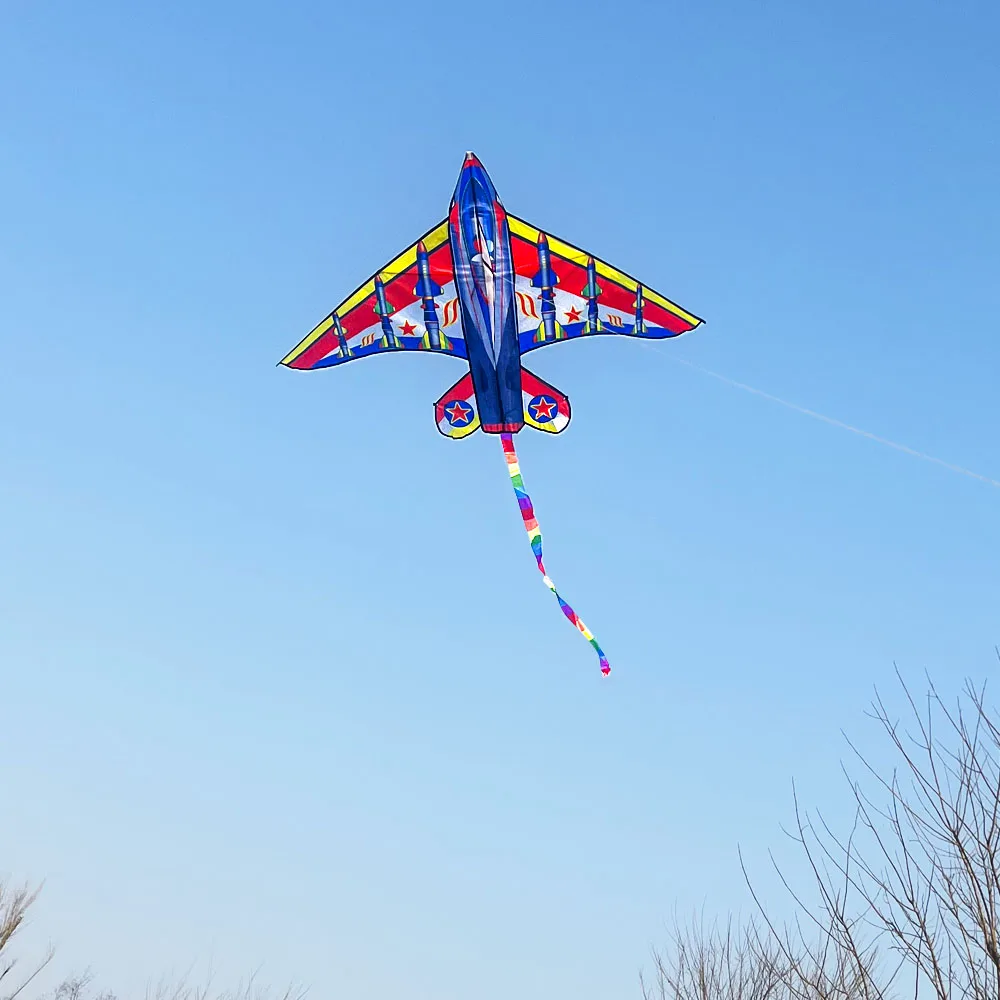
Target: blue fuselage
{"x":484,"y":278}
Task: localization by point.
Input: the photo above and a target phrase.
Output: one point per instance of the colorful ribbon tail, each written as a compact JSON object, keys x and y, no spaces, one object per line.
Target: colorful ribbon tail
{"x":535,"y":537}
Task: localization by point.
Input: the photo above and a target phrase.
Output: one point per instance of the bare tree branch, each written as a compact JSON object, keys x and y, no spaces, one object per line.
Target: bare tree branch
{"x":918,"y":874}
{"x":14,"y":906}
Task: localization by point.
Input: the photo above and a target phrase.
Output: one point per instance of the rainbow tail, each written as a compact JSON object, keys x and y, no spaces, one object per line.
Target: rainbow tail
{"x":535,"y":537}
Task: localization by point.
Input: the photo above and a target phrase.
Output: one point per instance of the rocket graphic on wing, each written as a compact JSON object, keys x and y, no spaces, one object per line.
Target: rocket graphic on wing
{"x":487,"y":287}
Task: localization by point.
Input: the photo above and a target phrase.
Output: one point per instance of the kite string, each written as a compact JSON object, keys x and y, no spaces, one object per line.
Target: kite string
{"x":535,"y":537}
{"x":832,"y":421}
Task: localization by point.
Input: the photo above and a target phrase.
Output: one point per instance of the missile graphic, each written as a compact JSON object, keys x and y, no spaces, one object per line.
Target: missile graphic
{"x":384,"y":311}
{"x":546,"y":280}
{"x":640,"y":326}
{"x":342,"y":344}
{"x":592,"y":291}
{"x":427,"y":289}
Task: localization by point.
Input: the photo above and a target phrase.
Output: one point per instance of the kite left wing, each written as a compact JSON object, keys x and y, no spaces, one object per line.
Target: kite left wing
{"x":564,"y":292}
{"x":409,"y":305}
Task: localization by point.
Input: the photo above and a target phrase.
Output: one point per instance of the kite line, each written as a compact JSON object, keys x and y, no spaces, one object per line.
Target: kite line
{"x":535,"y":537}
{"x":832,"y":421}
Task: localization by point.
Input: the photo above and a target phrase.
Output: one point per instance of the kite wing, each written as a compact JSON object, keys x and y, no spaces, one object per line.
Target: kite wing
{"x":409,"y":305}
{"x":564,"y":292}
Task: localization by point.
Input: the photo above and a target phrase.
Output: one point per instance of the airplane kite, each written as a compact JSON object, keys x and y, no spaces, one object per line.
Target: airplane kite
{"x":488,"y":287}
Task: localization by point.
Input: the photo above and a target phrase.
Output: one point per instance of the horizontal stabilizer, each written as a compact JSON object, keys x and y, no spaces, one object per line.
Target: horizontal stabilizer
{"x":545,"y":407}
{"x":455,"y":412}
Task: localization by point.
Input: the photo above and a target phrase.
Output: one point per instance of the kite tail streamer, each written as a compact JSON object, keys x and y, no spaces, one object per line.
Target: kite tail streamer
{"x":535,"y":537}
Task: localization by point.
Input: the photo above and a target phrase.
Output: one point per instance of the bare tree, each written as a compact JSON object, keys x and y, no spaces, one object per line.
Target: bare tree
{"x":712,"y":963}
{"x":750,"y":962}
{"x":79,"y":988}
{"x":249,"y":989}
{"x":14,"y":906}
{"x":830,"y":950}
{"x":918,"y":875}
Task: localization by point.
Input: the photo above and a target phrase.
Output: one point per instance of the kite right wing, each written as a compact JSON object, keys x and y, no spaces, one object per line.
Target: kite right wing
{"x":564,"y":292}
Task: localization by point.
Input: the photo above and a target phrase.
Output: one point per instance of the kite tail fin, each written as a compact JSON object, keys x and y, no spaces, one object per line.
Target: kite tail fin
{"x":535,"y":537}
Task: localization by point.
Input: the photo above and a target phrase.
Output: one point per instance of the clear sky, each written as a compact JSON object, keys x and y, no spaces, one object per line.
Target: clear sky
{"x":280,"y":681}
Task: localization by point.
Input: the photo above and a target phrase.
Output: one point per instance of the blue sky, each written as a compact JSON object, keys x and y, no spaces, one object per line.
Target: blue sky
{"x":280,"y":682}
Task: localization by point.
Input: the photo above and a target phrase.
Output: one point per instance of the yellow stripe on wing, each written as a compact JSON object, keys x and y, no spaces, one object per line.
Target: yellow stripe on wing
{"x":308,"y":341}
{"x":408,"y":257}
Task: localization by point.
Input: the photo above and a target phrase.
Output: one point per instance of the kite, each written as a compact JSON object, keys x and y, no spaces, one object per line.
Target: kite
{"x":487,"y":287}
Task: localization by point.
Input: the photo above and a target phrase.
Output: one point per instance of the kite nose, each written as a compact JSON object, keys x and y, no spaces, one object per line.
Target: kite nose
{"x":474,"y":184}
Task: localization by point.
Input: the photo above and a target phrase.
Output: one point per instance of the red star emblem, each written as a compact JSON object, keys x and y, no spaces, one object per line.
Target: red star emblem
{"x":544,"y":408}
{"x":458,"y":412}
{"x":407,"y":327}
{"x":572,"y":315}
